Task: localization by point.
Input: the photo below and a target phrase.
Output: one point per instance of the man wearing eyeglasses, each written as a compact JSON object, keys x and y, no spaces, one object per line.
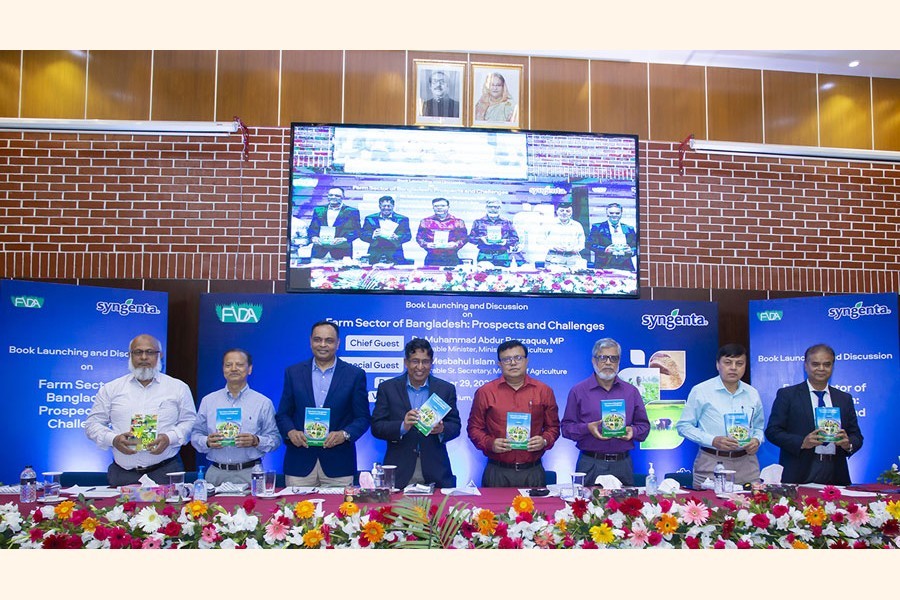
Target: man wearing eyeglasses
{"x":419,"y":458}
{"x":333,"y":227}
{"x":145,"y":401}
{"x":582,"y":422}
{"x":502,"y":406}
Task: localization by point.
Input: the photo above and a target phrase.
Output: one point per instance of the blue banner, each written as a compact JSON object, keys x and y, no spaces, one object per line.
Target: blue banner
{"x":60,"y":343}
{"x":667,"y":348}
{"x":862,"y":329}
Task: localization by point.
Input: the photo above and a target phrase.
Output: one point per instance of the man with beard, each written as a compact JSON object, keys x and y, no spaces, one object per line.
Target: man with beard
{"x":583,"y":420}
{"x":144,"y":416}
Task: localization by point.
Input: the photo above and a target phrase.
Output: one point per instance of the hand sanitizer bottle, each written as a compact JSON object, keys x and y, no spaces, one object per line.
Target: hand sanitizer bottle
{"x":651,"y":484}
{"x":200,"y":486}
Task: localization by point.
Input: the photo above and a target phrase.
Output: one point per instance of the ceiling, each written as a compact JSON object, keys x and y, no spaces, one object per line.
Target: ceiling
{"x":873,"y":63}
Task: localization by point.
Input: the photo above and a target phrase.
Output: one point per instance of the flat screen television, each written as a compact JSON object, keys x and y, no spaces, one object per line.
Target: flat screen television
{"x":468,"y":211}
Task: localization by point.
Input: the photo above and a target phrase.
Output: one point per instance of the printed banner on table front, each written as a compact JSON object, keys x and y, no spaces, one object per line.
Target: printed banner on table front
{"x":862,"y":329}
{"x":667,"y":348}
{"x":60,"y":343}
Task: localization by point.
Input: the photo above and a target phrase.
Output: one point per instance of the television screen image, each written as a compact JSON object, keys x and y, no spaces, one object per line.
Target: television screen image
{"x":473,"y":211}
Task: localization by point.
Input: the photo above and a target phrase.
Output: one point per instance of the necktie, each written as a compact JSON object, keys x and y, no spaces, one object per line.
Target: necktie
{"x":820,"y":396}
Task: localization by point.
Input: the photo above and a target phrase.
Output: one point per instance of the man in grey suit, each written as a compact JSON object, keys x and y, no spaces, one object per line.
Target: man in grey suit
{"x":805,"y":455}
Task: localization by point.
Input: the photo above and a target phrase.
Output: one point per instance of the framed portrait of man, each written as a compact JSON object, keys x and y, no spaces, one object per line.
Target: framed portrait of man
{"x":496,"y":94}
{"x":440,"y":88}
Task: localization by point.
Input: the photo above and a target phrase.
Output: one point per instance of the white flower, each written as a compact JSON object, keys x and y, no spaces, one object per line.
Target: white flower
{"x":115,"y":514}
{"x":228,"y":544}
{"x":48,"y":512}
{"x":11,"y":521}
{"x":148,"y":519}
{"x":239,"y":521}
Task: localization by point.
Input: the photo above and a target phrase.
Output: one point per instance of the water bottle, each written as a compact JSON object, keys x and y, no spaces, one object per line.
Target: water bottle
{"x":719,"y":478}
{"x":651,"y":484}
{"x":378,"y":475}
{"x":257,"y":480}
{"x":200,"y":486}
{"x":28,"y":485}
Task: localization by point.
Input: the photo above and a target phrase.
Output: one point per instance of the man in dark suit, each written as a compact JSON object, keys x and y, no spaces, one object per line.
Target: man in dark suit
{"x":614,"y":243}
{"x":323,"y":381}
{"x":333,"y":227}
{"x":805,"y":455}
{"x":419,"y":458}
{"x":440,"y":104}
{"x":386,"y":232}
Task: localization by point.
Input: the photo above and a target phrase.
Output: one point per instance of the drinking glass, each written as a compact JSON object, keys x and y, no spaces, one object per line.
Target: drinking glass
{"x":577,"y":485}
{"x":177,"y":489}
{"x":51,"y":485}
{"x":389,"y":471}
{"x":270,"y":483}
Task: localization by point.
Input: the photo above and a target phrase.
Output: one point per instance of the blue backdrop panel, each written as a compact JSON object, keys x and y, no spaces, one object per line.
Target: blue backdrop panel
{"x":58,"y":345}
{"x":862,"y":329}
{"x":465,"y":333}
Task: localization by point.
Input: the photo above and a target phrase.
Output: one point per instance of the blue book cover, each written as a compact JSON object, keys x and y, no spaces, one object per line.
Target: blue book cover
{"x":828,"y":419}
{"x":316,"y":425}
{"x":612,"y":417}
{"x":430,"y":413}
{"x":228,"y":423}
{"x":737,"y":427}
{"x":518,"y":429}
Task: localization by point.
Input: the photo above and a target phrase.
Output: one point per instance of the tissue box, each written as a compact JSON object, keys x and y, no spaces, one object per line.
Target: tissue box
{"x":363,"y":495}
{"x":136,"y":493}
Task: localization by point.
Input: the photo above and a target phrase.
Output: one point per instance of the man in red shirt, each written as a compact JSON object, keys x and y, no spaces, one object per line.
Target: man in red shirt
{"x":514,"y":410}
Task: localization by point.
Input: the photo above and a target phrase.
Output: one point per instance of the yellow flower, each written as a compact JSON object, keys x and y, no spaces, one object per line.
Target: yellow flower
{"x":486,"y":522}
{"x":196,"y":508}
{"x":373,"y":531}
{"x":815,"y":515}
{"x":799,"y":545}
{"x":64,"y":509}
{"x":602,"y":534}
{"x":348,"y":508}
{"x":313,"y":538}
{"x":667,"y":524}
{"x":421,"y":514}
{"x":304,"y":509}
{"x":90,"y":524}
{"x":562,"y":525}
{"x":521,"y":504}
{"x":893,"y":508}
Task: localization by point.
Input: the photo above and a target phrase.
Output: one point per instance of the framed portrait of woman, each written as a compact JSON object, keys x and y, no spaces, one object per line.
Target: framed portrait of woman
{"x":496,"y":94}
{"x":439,"y":88}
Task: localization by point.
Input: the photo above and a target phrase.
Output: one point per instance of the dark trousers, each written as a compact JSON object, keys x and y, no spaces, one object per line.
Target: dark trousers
{"x":117,"y":476}
{"x":496,"y":476}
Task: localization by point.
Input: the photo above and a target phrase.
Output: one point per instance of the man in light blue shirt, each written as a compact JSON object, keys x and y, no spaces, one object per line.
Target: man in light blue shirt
{"x":235,"y":426}
{"x":704,"y":415}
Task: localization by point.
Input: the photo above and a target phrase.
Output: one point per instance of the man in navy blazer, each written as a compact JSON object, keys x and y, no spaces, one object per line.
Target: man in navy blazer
{"x":805,"y":456}
{"x":386,"y":245}
{"x":614,"y":243}
{"x":345,"y":223}
{"x":419,"y":458}
{"x":324,"y":381}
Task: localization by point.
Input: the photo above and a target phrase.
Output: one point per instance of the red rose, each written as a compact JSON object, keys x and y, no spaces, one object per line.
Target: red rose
{"x":129,"y":507}
{"x":779,"y":510}
{"x":837,"y":517}
{"x":249,"y":504}
{"x":524,"y":517}
{"x":891,"y":528}
{"x":761,"y":521}
{"x":719,"y":545}
{"x":727,"y":528}
{"x":654,"y":538}
{"x":665,"y":504}
{"x":579,"y":508}
{"x":692,"y":542}
{"x":743,"y":544}
{"x":171,"y":529}
{"x":589,"y":545}
{"x":840,"y":545}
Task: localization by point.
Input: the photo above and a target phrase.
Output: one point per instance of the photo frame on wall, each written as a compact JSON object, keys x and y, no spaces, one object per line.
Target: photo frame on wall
{"x":496,"y":93}
{"x":440,"y":92}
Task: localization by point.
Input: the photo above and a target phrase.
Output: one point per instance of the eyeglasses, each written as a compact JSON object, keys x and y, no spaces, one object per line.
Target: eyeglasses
{"x":416,"y":362}
{"x":148,"y":353}
{"x":334,"y":196}
{"x":606,"y":358}
{"x":512,"y":359}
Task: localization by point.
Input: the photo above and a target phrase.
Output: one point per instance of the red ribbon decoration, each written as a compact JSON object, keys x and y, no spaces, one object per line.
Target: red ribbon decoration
{"x":682,"y":148}
{"x":245,"y":137}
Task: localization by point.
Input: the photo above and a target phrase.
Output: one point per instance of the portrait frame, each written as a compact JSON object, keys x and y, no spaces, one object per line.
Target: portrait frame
{"x":455,"y":80}
{"x":503,"y":112}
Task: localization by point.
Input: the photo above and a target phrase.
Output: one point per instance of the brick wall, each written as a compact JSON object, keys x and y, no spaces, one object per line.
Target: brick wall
{"x":144,"y":207}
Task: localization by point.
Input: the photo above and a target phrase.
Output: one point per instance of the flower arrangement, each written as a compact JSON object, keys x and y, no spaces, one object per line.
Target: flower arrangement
{"x":758,"y":521}
{"x":891,"y":476}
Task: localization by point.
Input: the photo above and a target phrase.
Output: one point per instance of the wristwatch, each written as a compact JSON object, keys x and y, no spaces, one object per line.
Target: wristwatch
{"x":346,"y":436}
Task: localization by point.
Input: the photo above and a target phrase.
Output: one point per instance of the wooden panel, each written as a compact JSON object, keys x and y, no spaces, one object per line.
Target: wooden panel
{"x":53,"y":84}
{"x":311,"y":86}
{"x":10,"y":75}
{"x":886,"y":99}
{"x":184,"y":85}
{"x":790,"y":107}
{"x":619,"y":98}
{"x":119,"y":84}
{"x":845,"y":112}
{"x":735,"y":104}
{"x":677,"y":103}
{"x":502,"y":59}
{"x":734,"y":315}
{"x":374,"y":86}
{"x":560,"y":93}
{"x":248,"y":86}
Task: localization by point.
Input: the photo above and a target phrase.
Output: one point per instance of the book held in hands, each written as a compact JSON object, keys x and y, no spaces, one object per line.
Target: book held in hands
{"x":431,"y":413}
{"x":612,"y":417}
{"x":143,"y":427}
{"x":737,"y":427}
{"x":828,"y":419}
{"x":518,"y":429}
{"x":316,"y":425}
{"x":228,"y":423}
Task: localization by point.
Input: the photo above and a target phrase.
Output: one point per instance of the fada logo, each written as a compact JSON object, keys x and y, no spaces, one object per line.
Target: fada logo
{"x":127,"y":308}
{"x":769,"y":315}
{"x":858,"y":310}
{"x":673,"y":320}
{"x":27,"y":301}
{"x":239,"y":313}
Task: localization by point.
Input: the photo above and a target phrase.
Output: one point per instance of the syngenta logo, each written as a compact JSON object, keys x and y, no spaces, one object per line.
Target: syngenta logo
{"x":27,"y":301}
{"x":239,"y":313}
{"x":858,"y":310}
{"x":769,"y":315}
{"x":127,"y":308}
{"x":673,"y":320}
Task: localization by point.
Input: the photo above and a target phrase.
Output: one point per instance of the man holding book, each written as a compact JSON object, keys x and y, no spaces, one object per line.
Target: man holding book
{"x":416,"y":414}
{"x":801,"y":425}
{"x":605,"y":416}
{"x":724,"y":417}
{"x":324,"y":409}
{"x":333,"y":227}
{"x":235,"y":425}
{"x":441,"y":235}
{"x":144,"y":416}
{"x":514,"y":420}
{"x":386,"y":232}
{"x":494,"y":235}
